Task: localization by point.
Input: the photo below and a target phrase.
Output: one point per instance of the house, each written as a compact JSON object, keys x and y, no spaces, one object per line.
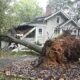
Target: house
{"x":33,"y":32}
{"x":47,"y":27}
{"x":57,"y":23}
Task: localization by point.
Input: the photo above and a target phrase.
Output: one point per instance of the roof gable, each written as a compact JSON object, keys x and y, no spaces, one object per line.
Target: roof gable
{"x":59,"y":12}
{"x":72,"y":21}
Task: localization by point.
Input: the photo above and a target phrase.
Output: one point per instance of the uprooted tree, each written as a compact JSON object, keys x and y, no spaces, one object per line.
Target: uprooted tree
{"x":22,"y":42}
{"x":60,"y":51}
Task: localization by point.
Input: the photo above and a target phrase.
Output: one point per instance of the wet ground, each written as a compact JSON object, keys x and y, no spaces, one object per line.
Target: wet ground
{"x":21,"y":67}
{"x":4,"y":62}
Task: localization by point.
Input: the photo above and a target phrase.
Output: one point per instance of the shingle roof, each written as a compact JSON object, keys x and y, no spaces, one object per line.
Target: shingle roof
{"x":59,"y":12}
{"x":39,"y":20}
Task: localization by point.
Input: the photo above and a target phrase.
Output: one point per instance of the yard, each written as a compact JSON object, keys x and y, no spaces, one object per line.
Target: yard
{"x":17,"y":66}
{"x":53,"y":54}
{"x":8,"y":59}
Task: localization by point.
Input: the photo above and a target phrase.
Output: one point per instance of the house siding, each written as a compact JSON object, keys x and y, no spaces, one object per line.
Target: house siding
{"x":52,"y":24}
{"x":40,"y":37}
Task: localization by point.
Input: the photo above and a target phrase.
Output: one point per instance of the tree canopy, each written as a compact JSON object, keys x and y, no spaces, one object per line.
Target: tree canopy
{"x":27,"y":10}
{"x":14,"y":12}
{"x":72,"y":7}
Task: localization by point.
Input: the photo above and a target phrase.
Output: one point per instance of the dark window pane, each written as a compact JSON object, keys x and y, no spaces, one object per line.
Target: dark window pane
{"x":58,"y":18}
{"x":40,"y":31}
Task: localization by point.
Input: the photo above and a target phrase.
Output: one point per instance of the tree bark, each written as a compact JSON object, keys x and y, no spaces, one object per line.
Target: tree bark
{"x":25,"y":43}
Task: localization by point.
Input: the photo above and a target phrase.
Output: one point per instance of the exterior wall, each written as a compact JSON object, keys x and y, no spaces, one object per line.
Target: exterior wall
{"x":71,"y":26}
{"x":52,"y":24}
{"x":40,"y":37}
{"x":31,"y":40}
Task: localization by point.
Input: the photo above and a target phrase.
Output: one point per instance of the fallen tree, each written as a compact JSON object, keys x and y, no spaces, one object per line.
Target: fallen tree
{"x":60,"y":51}
{"x":23,"y":42}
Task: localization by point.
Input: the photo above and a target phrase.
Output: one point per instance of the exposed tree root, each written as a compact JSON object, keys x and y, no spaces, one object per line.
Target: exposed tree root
{"x":61,"y":51}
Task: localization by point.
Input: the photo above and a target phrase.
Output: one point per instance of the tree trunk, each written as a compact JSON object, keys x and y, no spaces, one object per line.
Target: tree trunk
{"x":25,"y":43}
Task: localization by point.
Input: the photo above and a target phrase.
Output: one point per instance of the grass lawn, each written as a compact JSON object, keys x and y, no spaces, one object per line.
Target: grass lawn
{"x":12,"y":55}
{"x":4,"y":54}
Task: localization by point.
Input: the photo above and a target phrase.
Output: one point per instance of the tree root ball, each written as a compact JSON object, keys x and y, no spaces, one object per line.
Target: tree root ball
{"x":60,"y":51}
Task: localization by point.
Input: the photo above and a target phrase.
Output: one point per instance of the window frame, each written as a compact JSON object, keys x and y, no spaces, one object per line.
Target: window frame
{"x":58,"y":19}
{"x":40,"y":31}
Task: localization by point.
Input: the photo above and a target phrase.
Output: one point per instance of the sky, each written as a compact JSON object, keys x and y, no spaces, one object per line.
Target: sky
{"x":72,"y":0}
{"x":43,"y":3}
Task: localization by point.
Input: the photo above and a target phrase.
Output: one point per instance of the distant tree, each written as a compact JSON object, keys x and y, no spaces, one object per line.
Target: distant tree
{"x":2,"y":15}
{"x":14,"y":12}
{"x":57,"y":5}
{"x":27,"y":10}
{"x":71,"y":6}
{"x":6,"y":18}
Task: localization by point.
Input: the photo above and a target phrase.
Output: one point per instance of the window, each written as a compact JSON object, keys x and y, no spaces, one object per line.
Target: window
{"x":74,"y":31}
{"x":58,"y":19}
{"x":40,"y":31}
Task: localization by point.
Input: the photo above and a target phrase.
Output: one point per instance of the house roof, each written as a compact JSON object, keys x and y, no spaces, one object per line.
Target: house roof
{"x":72,"y":21}
{"x":39,"y":20}
{"x":23,"y":27}
{"x":59,"y":12}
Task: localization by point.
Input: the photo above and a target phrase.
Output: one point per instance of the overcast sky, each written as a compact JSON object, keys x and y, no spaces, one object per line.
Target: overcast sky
{"x":43,"y":3}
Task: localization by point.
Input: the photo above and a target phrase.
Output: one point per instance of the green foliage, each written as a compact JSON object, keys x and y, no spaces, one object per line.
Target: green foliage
{"x":20,"y":53}
{"x":27,"y":10}
{"x":2,"y":78}
{"x":4,"y":54}
{"x":13,"y":13}
{"x":5,"y":18}
{"x":1,"y":14}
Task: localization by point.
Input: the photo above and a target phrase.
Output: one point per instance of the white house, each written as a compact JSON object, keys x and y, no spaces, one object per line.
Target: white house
{"x":57,"y":23}
{"x":47,"y":27}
